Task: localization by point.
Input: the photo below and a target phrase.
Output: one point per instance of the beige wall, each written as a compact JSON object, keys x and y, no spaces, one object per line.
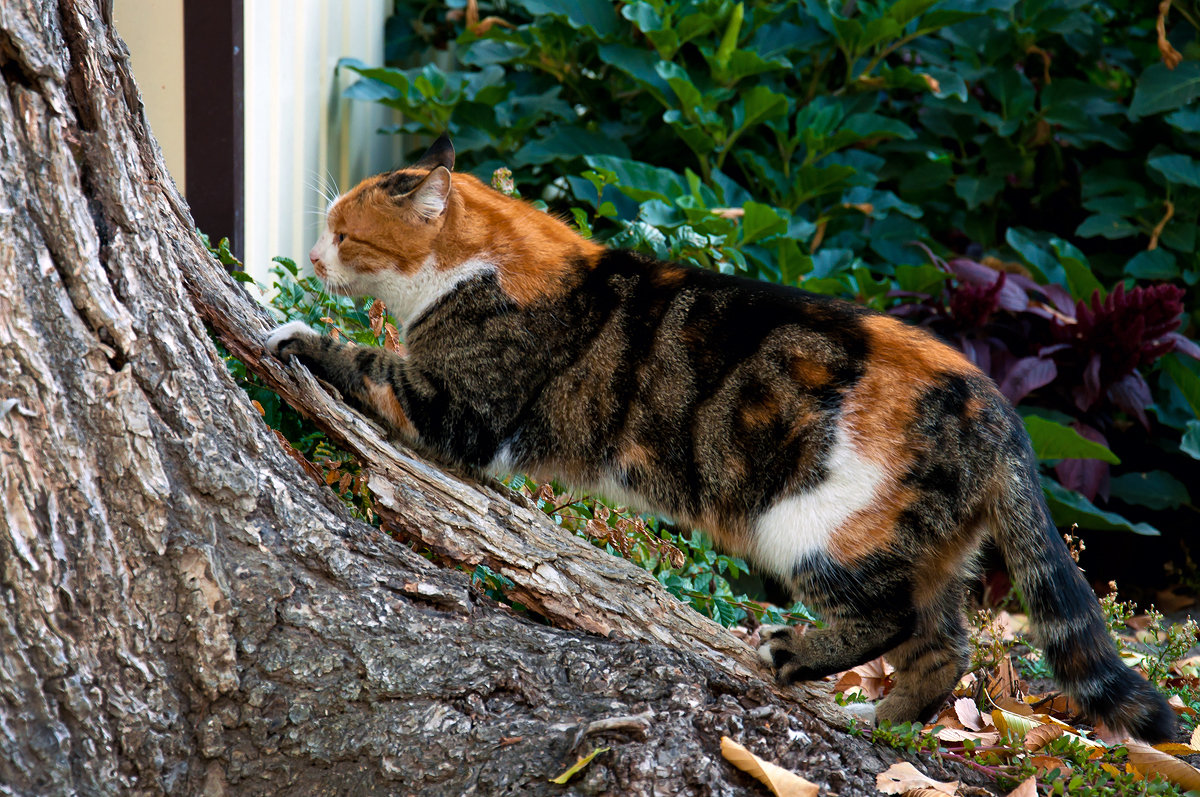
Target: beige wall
{"x":153,"y":30}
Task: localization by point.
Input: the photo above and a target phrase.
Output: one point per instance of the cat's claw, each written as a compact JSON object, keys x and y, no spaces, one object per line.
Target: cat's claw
{"x":289,"y":331}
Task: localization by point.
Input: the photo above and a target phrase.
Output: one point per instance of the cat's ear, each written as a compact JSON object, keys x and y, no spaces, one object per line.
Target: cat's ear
{"x":429,"y":198}
{"x":440,"y":153}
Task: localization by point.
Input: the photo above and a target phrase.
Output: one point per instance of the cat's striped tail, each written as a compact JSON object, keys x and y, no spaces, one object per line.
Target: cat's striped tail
{"x":1068,"y":623}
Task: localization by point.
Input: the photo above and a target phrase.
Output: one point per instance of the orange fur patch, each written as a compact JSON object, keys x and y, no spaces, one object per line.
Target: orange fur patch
{"x":807,"y":371}
{"x":532,"y":250}
{"x":384,"y":400}
{"x":902,"y":363}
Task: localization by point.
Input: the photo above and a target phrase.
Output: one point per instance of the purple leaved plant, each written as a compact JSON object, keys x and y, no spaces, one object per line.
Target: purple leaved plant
{"x":1082,"y":358}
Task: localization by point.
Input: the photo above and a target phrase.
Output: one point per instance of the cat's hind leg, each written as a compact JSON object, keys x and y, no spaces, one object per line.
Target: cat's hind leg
{"x":930,"y":662}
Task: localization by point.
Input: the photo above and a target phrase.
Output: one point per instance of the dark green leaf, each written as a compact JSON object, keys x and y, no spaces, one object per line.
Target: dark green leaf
{"x":1177,"y":169}
{"x":977,"y":190}
{"x":1155,"y":264}
{"x":1190,"y":444}
{"x":1080,"y":279}
{"x":923,"y":279}
{"x":1186,"y":119}
{"x":1105,"y":225}
{"x":1185,"y":379}
{"x":1161,"y":89}
{"x":1041,"y":261}
{"x":1156,"y":489}
{"x":761,"y":221}
{"x":756,"y":106}
{"x":1069,"y":507}
{"x":598,"y":15}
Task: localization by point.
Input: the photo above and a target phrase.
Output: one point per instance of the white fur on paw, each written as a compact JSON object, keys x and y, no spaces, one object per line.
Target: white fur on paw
{"x":766,"y":633}
{"x":289,"y":331}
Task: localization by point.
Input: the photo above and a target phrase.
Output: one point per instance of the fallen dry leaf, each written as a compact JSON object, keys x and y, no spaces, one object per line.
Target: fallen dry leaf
{"x":903,"y":777}
{"x":780,"y":781}
{"x":1040,"y":736}
{"x":1005,"y":682}
{"x":579,"y":764}
{"x":983,"y":738}
{"x":1148,"y":761}
{"x":1028,"y":788}
{"x":1047,"y":763}
{"x":1174,"y":748}
{"x":872,"y":679}
{"x":968,"y":714}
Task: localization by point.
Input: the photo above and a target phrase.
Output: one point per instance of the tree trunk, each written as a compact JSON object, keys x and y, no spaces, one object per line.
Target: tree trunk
{"x":185,"y":611}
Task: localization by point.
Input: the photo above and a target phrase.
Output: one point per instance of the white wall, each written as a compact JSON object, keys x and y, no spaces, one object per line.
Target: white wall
{"x":300,"y":132}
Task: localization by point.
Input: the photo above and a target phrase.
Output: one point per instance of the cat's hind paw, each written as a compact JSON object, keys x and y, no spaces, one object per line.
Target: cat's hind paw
{"x":291,"y":331}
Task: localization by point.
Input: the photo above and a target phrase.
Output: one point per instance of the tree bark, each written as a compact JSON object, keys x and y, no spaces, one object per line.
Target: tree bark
{"x":185,"y":611}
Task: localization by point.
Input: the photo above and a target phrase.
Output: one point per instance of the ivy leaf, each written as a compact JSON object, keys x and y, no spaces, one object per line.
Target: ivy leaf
{"x":1053,"y":440}
{"x":1154,"y":489}
{"x":1105,"y":225}
{"x":761,"y":221}
{"x":977,"y":190}
{"x":599,"y":16}
{"x":1161,"y":89}
{"x":1177,"y":168}
{"x":1068,"y":507}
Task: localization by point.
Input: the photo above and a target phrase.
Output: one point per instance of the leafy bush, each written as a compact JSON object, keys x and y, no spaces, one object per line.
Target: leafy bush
{"x":1041,"y":152}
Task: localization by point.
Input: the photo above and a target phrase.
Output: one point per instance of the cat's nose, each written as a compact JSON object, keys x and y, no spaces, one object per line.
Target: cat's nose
{"x":312,"y":255}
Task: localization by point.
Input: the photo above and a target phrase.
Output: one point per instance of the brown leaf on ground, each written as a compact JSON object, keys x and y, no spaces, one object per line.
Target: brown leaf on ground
{"x":968,"y":714}
{"x":1179,"y":707}
{"x":1047,"y":763}
{"x":780,"y":781}
{"x":966,"y":685}
{"x":1054,"y":703}
{"x":982,"y":738}
{"x":1174,"y":748}
{"x":1028,"y":788}
{"x":1038,"y":737}
{"x":873,"y":679}
{"x":903,"y":777}
{"x":1005,"y":682}
{"x":1148,"y":761}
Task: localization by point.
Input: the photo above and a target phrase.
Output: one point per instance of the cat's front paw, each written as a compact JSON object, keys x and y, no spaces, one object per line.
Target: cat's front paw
{"x":778,"y":648}
{"x":292,"y":331}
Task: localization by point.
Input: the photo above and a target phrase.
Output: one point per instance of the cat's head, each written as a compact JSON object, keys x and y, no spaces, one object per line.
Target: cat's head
{"x":411,"y":235}
{"x":385,"y":227}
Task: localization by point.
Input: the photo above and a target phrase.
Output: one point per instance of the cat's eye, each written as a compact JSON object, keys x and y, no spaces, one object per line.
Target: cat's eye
{"x":341,"y":236}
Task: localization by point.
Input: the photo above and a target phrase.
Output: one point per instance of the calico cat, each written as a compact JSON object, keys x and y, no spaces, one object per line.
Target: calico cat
{"x":856,"y":459}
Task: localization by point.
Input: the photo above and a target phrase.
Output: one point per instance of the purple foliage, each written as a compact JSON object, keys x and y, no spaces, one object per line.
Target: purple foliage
{"x":1080,"y":357}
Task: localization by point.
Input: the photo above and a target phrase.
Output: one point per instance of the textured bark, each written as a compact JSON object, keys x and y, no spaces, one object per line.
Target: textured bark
{"x":185,"y":611}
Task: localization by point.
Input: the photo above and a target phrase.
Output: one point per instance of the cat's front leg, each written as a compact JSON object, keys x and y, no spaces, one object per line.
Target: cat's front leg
{"x":370,"y":377}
